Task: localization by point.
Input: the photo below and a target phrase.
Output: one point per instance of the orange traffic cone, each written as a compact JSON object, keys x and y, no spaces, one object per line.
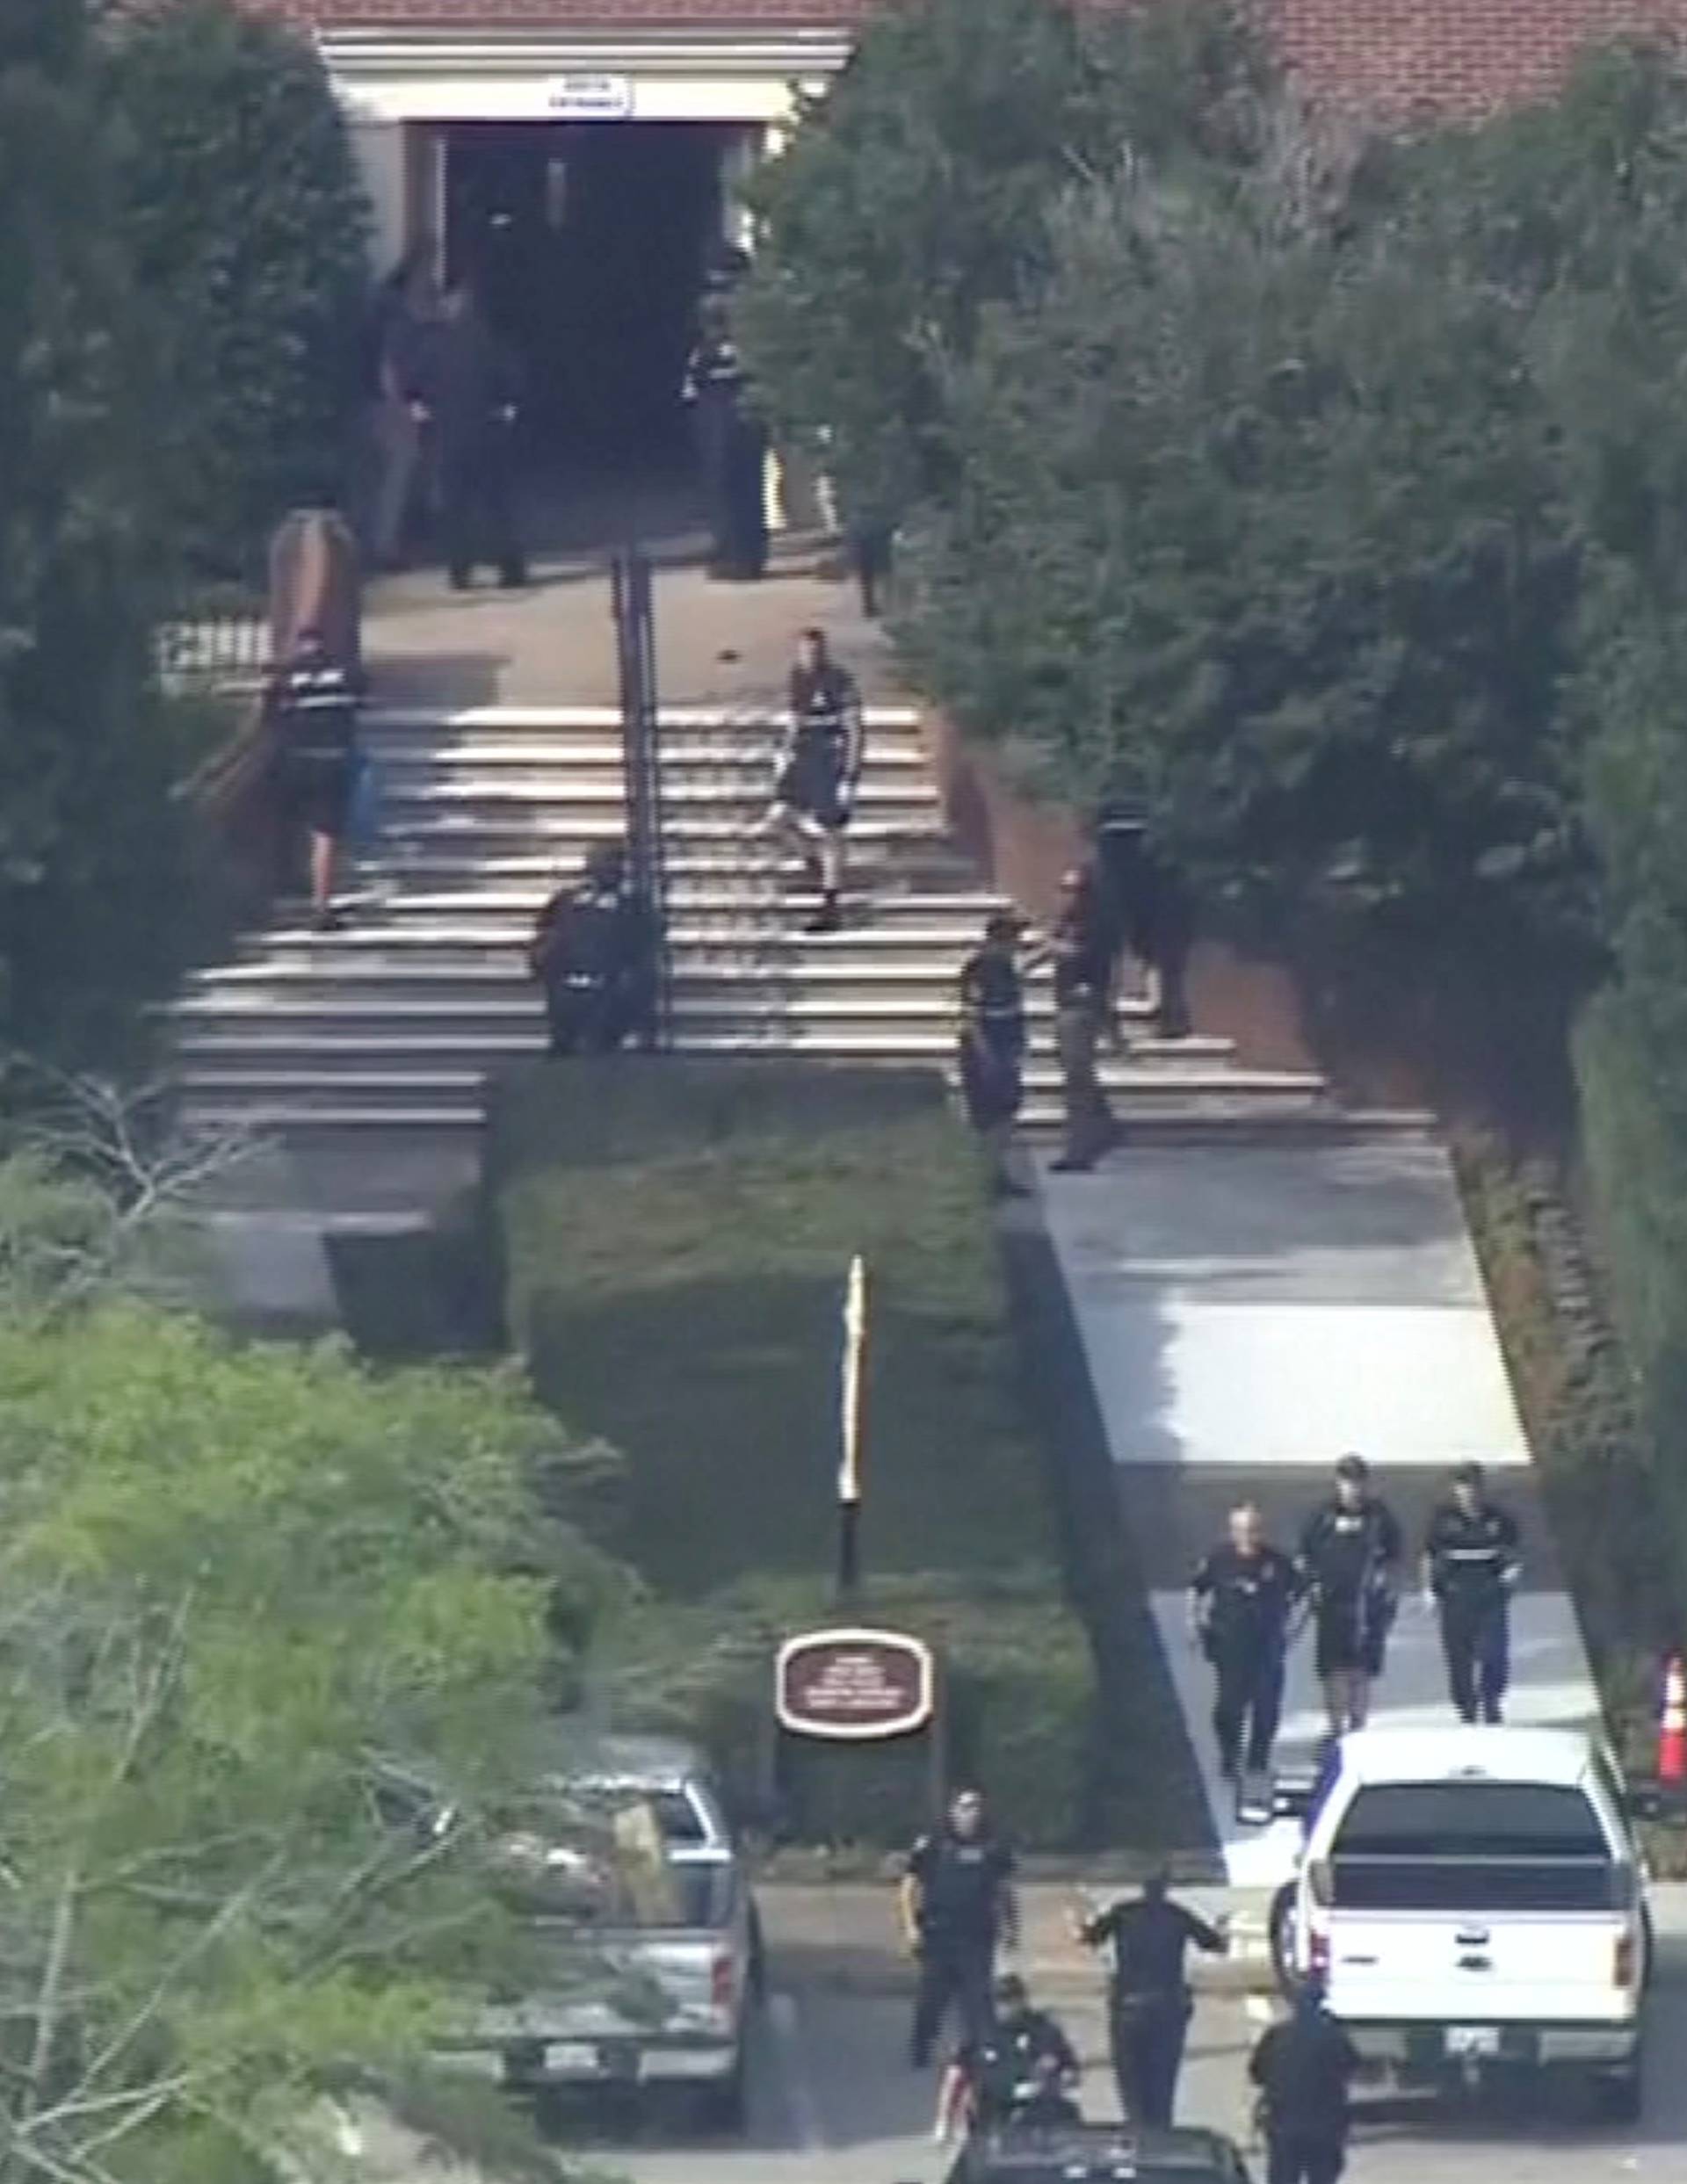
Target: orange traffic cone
{"x":1672,"y":1726}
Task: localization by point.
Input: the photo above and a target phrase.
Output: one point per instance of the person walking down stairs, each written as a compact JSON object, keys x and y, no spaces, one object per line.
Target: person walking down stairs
{"x":311,"y":710}
{"x":993,"y":1045}
{"x":1082,"y":951}
{"x":819,"y":771}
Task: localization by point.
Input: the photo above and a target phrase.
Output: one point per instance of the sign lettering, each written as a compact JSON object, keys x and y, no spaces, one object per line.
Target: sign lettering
{"x":853,"y":1684}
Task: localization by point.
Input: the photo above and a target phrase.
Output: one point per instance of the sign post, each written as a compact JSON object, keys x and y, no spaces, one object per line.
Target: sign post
{"x":849,"y":1469}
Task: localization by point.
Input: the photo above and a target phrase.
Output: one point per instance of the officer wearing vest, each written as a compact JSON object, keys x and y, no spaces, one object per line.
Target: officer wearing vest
{"x":715,"y":388}
{"x":1350,"y":1559}
{"x":819,"y":771}
{"x":957,"y":1904}
{"x":594,"y":951}
{"x":1470,"y":1571}
{"x":1082,"y":948}
{"x":993,"y":1044}
{"x":1240,"y":1599}
{"x":312,"y":708}
{"x":1148,"y":2000}
{"x":1304,"y":2068}
{"x":1019,"y":2072}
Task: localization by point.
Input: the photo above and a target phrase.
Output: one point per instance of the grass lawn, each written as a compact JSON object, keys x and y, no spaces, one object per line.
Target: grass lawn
{"x":677,"y":1247}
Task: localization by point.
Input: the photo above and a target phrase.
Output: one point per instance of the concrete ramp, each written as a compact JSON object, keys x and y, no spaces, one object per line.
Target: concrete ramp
{"x":1248,"y":1311}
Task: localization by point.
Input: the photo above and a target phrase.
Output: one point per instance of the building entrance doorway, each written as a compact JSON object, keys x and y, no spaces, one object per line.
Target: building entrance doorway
{"x":587,"y":243}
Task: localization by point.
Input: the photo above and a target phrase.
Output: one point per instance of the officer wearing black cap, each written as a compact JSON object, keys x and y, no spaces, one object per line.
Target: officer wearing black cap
{"x":1349,"y":1560}
{"x":993,"y":1044}
{"x":1240,"y":1599}
{"x":1149,"y":2003}
{"x":957,"y":1903}
{"x":1470,"y":1570}
{"x":1018,"y":2071}
{"x":1304,"y":2068}
{"x":594,"y":950}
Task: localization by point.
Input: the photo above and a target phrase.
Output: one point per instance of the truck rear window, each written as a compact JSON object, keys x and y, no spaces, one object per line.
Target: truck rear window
{"x":1473,"y":1846}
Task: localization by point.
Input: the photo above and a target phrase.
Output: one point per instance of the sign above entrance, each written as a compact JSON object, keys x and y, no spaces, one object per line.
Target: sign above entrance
{"x":854,"y":1684}
{"x":589,"y":97}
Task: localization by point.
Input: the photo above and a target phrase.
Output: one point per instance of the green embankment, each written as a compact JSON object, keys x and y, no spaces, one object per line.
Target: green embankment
{"x":676,"y":1241}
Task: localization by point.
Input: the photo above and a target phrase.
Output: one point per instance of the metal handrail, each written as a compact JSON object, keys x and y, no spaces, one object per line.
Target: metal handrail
{"x":633,"y":598}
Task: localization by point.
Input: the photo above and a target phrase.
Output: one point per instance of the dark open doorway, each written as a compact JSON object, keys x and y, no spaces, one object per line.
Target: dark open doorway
{"x":586,"y":243}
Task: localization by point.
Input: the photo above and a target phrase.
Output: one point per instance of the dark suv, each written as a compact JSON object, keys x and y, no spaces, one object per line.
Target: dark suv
{"x":1098,"y":2153}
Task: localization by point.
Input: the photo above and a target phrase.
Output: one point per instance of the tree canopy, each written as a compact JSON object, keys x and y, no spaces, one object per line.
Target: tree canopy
{"x":237,"y":1579}
{"x":87,"y":832}
{"x":245,"y":222}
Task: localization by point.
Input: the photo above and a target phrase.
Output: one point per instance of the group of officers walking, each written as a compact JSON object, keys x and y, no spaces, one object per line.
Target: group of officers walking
{"x":1013,"y":2067}
{"x":1248,"y":1599}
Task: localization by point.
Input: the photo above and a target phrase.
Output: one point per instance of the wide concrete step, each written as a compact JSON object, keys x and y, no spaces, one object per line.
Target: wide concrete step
{"x":746,"y":868}
{"x":912,"y":952}
{"x":513,"y":830}
{"x":604,"y":722}
{"x":697,"y":756}
{"x":497,"y":804}
{"x":698,"y":915}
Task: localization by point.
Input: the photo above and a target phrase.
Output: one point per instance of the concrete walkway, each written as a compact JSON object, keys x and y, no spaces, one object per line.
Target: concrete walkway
{"x":1247,"y":1312}
{"x":553,"y":643}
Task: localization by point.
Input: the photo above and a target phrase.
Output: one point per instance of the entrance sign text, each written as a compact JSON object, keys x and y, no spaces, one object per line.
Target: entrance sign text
{"x":854,"y":1684}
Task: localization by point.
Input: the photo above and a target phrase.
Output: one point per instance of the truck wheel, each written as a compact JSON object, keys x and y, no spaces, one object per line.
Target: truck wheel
{"x":1281,"y":1931}
{"x":726,"y":2107}
{"x":756,"y":1969}
{"x":1622,"y":2095}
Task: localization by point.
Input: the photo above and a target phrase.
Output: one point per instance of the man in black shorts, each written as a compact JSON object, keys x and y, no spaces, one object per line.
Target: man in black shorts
{"x":819,"y":769}
{"x":312,"y":709}
{"x":1350,"y":1559}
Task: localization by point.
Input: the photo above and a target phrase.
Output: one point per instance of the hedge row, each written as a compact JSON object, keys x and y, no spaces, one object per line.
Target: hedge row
{"x":675,"y":1243}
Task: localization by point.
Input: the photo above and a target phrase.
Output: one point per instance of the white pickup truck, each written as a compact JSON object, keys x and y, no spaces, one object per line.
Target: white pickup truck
{"x":1474,"y":1900}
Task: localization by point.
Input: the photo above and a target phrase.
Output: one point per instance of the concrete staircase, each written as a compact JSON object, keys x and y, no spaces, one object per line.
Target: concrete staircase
{"x":395,"y":1021}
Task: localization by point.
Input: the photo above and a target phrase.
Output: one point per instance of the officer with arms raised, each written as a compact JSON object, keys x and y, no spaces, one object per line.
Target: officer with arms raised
{"x":1350,"y":1558}
{"x":1149,"y":2004}
{"x":1470,"y":1571}
{"x":957,"y":1904}
{"x":1240,"y":1602}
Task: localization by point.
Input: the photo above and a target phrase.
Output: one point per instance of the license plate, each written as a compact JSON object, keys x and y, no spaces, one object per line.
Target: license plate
{"x":576,"y":2057}
{"x":1473,"y":2040}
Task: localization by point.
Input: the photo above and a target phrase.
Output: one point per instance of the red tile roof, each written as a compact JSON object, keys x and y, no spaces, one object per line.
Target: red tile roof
{"x":1395,"y":55}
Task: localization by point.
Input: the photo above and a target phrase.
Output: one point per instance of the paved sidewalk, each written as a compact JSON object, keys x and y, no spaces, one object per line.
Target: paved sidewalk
{"x":1247,"y":1313}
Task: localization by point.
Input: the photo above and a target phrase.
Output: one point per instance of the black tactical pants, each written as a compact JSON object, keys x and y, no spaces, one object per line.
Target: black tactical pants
{"x":1248,"y":1704}
{"x":953,"y":1974}
{"x":1476,"y":1637}
{"x":1146,"y":2033}
{"x":1291,"y":2158}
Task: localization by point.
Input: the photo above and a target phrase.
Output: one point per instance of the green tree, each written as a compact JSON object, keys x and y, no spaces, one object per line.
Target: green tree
{"x":246,"y":223}
{"x":90,"y":846}
{"x":914,"y":194}
{"x":234,"y":1577}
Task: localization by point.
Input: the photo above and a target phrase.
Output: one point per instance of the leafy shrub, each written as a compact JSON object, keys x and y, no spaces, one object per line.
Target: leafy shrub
{"x":246,"y":224}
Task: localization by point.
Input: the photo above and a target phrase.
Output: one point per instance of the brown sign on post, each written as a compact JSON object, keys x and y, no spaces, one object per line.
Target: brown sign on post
{"x":853,"y":1684}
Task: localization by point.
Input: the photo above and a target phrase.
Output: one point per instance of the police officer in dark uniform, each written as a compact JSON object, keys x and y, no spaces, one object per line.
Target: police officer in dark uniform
{"x":1149,"y":2003}
{"x":467,"y":382}
{"x":1350,"y":1559}
{"x":1471,"y":1569}
{"x":1304,"y":2068}
{"x":957,"y":1904}
{"x":1018,"y":2072}
{"x":1150,"y":911}
{"x":1082,"y":951}
{"x":731,"y":447}
{"x":819,"y":771}
{"x":311,"y":709}
{"x":594,"y":950}
{"x":993,"y":1044}
{"x":1240,"y":1599}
